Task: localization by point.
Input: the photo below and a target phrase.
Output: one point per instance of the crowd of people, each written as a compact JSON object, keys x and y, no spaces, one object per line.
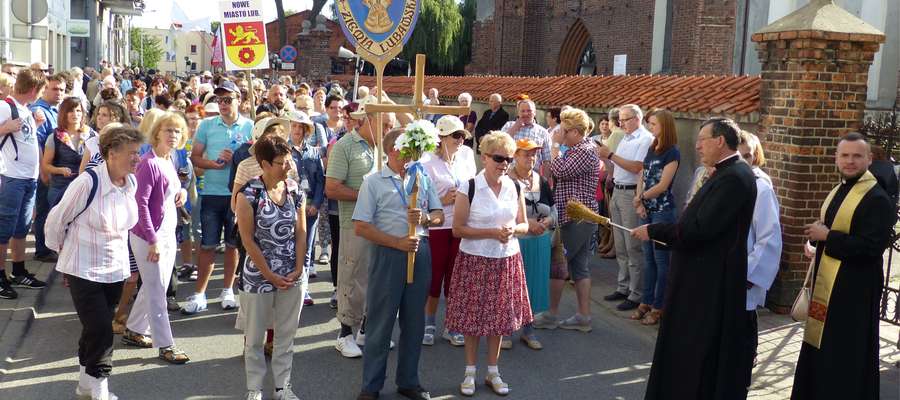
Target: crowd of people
{"x":121,"y":182}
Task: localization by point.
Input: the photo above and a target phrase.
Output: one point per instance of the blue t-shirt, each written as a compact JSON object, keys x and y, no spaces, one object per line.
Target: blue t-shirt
{"x":215,"y":136}
{"x":653,"y":172}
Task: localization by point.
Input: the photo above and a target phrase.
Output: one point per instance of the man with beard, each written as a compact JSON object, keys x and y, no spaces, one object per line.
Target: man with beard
{"x":700,"y":351}
{"x":839,"y":355}
{"x":276,"y":102}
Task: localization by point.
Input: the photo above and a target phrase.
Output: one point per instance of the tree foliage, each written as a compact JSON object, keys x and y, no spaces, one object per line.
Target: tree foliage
{"x":149,"y":48}
{"x":214,"y":27}
{"x":464,"y":46}
{"x":436,"y":35}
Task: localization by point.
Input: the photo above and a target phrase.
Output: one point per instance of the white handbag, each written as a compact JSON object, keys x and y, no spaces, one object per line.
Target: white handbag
{"x":800,"y":309}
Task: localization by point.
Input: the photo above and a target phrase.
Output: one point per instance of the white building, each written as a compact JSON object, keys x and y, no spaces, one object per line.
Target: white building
{"x":184,"y":52}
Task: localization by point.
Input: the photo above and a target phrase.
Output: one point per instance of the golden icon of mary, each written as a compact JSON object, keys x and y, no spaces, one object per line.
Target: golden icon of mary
{"x":378,"y":20}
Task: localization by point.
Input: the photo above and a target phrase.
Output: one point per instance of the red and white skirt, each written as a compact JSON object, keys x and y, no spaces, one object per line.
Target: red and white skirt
{"x":488,"y":296}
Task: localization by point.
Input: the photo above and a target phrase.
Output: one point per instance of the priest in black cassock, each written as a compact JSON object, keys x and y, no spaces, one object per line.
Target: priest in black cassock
{"x":839,"y":355}
{"x":699,"y":350}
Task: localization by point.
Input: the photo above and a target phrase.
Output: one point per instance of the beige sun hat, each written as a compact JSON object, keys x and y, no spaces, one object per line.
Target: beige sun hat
{"x":260,"y":127}
{"x":450,"y":124}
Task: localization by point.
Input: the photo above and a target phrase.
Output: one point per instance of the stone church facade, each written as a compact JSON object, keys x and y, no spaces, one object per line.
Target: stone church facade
{"x":683,"y":37}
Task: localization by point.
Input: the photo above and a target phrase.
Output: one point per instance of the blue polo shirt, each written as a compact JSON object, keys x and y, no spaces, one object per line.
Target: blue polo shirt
{"x":383,"y":202}
{"x":215,"y":136}
{"x":49,"y":126}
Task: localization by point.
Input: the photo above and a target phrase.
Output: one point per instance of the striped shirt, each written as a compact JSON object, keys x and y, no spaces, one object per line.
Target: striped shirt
{"x":535,"y":133}
{"x":96,"y":245}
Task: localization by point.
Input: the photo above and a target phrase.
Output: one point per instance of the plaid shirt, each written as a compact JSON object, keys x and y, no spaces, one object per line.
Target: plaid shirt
{"x":535,"y":133}
{"x":575,"y":175}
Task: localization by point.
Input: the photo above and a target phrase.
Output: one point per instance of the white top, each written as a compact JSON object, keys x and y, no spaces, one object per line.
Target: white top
{"x":633,"y":147}
{"x":445,"y":175}
{"x":26,"y":166}
{"x":96,"y":246}
{"x":763,"y":243}
{"x":490,"y":211}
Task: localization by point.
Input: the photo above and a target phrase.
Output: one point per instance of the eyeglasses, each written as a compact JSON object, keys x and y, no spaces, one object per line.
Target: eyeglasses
{"x":500,"y":159}
{"x":225,"y":99}
{"x":624,"y":120}
{"x":458,"y":135}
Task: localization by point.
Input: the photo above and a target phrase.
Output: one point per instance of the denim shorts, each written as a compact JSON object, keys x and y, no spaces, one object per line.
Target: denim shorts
{"x":216,"y":217}
{"x":16,"y":206}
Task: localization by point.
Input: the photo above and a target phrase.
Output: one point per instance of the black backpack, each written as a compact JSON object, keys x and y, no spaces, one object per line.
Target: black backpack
{"x":13,"y":114}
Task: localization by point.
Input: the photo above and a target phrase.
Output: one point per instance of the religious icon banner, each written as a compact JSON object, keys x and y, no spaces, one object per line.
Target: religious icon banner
{"x":377,"y":28}
{"x":244,"y":35}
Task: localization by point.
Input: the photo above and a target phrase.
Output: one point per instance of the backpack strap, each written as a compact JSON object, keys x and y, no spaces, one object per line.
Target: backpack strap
{"x":472,"y":189}
{"x":13,"y":114}
{"x":95,"y":182}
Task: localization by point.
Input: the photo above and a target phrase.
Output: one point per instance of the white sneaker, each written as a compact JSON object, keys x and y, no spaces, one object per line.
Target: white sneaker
{"x":428,"y":337}
{"x":254,"y":395}
{"x":361,"y":340}
{"x":455,"y":339}
{"x":83,"y":389}
{"x":229,"y":302}
{"x":347,"y":346}
{"x":100,"y":389}
{"x":285,"y":394}
{"x":195,"y":304}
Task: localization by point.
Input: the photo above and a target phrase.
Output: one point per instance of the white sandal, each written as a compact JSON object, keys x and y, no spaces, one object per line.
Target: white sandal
{"x":467,"y":387}
{"x":496,"y":384}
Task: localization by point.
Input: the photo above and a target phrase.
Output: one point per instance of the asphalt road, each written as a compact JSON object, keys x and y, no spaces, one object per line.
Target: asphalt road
{"x":612,"y":362}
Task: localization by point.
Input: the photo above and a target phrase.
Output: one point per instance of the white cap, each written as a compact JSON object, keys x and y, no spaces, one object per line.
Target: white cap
{"x":450,"y":124}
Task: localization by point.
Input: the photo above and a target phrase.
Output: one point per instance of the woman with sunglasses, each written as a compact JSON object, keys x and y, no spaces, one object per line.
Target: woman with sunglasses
{"x":488,"y":284}
{"x":452,"y":164}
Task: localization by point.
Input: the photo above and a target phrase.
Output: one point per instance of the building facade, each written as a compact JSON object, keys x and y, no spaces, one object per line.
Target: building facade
{"x":184,"y":52}
{"x":685,"y":37}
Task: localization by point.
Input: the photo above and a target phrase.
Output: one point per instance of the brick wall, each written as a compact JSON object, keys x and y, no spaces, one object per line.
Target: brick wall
{"x":483,"y":50}
{"x":813,"y":91}
{"x":702,"y":36}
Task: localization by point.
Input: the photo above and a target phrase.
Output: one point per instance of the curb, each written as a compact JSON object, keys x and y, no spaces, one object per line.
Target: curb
{"x":23,"y":314}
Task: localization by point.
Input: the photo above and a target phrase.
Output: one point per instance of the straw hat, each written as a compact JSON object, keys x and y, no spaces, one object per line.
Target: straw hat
{"x":260,"y":127}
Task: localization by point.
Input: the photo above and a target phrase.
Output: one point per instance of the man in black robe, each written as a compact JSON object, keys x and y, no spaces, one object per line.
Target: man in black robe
{"x":699,"y":350}
{"x":839,"y":355}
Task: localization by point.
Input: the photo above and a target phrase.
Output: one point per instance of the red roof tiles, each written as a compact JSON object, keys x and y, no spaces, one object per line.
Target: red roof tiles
{"x":700,"y":94}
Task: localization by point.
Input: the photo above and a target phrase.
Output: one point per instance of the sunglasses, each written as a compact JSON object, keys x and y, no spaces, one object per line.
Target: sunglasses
{"x":225,"y":99}
{"x":458,"y":135}
{"x":500,"y":159}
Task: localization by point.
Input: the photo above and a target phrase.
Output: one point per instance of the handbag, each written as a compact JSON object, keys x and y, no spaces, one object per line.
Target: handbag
{"x":800,"y":309}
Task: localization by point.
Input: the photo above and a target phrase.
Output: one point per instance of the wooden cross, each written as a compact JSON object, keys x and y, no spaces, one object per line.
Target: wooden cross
{"x":417,"y":108}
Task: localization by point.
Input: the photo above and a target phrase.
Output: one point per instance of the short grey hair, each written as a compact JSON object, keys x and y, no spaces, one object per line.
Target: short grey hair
{"x":635,"y":109}
{"x":498,"y":96}
{"x":464,"y":95}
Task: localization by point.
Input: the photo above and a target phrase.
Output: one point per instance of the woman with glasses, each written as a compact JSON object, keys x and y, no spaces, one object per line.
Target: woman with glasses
{"x":451,"y":164}
{"x":489,"y":298}
{"x":655,"y":203}
{"x":153,"y":241}
{"x":575,"y":176}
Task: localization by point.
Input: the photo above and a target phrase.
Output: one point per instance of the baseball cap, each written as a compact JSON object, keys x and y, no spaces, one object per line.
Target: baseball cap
{"x":226,"y":87}
{"x":450,"y":124}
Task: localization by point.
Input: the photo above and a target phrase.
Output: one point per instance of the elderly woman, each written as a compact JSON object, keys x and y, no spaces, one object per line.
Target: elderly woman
{"x":93,"y":220}
{"x":465,"y":100}
{"x":536,"y":245}
{"x":490,"y":298}
{"x":452,"y":164}
{"x":311,"y":175}
{"x":270,"y":217}
{"x":654,"y":204}
{"x":153,"y":241}
{"x":575,"y":176}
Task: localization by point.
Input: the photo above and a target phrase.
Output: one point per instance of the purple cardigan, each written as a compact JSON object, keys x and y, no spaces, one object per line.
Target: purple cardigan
{"x":151,"y":191}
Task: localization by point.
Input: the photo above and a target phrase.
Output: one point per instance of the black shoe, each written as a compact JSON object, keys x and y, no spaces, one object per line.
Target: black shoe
{"x":172,"y":304}
{"x":615,"y":296}
{"x":50,"y":257}
{"x":416,"y":393}
{"x":6,"y":291}
{"x":184,"y":272}
{"x":28,"y":281}
{"x":367,"y":396}
{"x":627,"y":305}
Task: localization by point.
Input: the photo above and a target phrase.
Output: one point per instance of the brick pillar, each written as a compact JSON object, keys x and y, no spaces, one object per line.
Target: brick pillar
{"x":813,"y":91}
{"x":314,"y":60}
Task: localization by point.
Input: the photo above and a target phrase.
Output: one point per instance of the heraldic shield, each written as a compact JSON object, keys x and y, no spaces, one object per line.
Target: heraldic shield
{"x":378,"y":28}
{"x":244,"y":43}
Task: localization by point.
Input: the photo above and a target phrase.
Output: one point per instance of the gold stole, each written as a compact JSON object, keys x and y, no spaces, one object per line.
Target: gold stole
{"x":828,"y":266}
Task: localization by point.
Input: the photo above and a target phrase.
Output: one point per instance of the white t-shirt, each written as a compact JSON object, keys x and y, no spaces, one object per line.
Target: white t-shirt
{"x":26,"y":166}
{"x":445,"y":176}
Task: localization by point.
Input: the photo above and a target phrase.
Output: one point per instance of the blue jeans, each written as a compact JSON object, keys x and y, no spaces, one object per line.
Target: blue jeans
{"x":389,"y":294}
{"x":216,"y":216}
{"x":16,"y":206}
{"x":312,"y":227}
{"x":42,"y":207}
{"x":656,"y":262}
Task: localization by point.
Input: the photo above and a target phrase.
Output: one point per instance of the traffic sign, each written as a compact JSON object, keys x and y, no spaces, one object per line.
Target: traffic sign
{"x":288,"y":53}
